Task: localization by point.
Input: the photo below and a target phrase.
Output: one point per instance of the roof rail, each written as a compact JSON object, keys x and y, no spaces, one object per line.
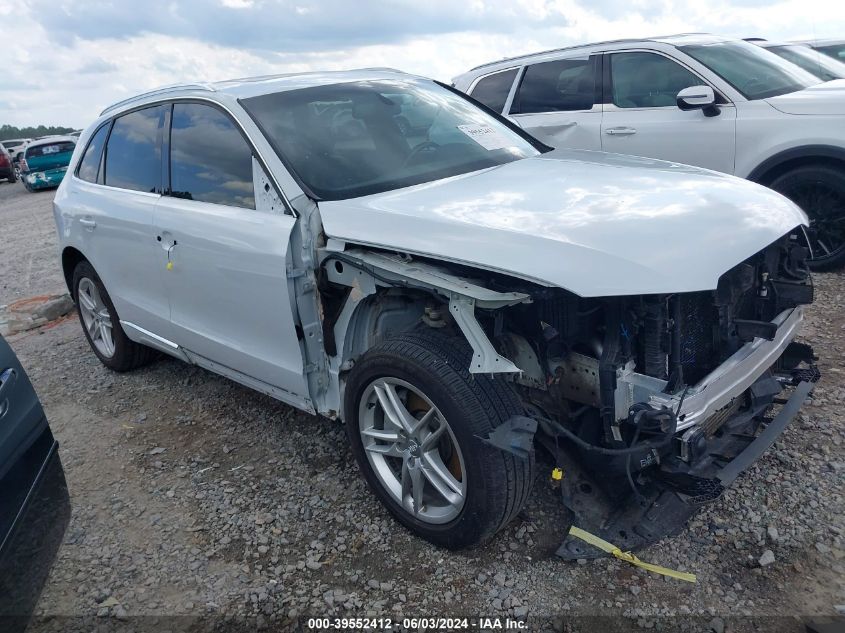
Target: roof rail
{"x":162,"y":90}
{"x":577,"y":46}
{"x":551,"y":50}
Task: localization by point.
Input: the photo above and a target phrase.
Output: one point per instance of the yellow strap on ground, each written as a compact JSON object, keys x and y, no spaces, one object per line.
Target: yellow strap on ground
{"x":628,"y":557}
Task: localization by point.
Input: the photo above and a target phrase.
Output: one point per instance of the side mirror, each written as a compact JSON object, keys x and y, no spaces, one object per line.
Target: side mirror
{"x":698,"y":98}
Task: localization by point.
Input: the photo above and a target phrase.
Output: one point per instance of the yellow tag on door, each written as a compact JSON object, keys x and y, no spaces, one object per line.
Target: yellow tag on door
{"x":169,"y":265}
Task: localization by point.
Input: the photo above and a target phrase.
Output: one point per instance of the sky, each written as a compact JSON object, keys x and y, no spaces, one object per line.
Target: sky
{"x":65,"y":60}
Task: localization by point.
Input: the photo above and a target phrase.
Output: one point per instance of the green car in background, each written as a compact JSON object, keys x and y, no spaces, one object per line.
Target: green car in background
{"x":45,"y":162}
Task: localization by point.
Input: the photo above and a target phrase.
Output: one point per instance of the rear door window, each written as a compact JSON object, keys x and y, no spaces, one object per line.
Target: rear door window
{"x":133,"y":151}
{"x":557,"y":86}
{"x":210,"y":160}
{"x":493,"y":90}
{"x":89,"y":166}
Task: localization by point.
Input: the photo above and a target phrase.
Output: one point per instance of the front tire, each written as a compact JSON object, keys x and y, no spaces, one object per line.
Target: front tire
{"x":101,"y":325}
{"x":820,"y":192}
{"x":415,"y":418}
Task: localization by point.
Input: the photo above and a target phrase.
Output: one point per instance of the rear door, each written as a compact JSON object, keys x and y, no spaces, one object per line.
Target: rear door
{"x":559,"y":102}
{"x":227,"y":279}
{"x":111,"y":207}
{"x":641,"y":115}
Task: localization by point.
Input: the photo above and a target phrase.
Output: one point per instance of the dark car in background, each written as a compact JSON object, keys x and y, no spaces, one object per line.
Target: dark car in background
{"x":45,"y":162}
{"x":34,"y":500}
{"x":7,"y":168}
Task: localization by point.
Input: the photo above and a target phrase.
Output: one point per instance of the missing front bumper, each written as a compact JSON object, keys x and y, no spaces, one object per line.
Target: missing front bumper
{"x":663,"y":510}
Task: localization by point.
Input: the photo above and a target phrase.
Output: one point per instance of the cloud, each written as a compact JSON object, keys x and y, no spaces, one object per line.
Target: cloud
{"x":66,"y":64}
{"x":97,"y":67}
{"x":292,"y":25}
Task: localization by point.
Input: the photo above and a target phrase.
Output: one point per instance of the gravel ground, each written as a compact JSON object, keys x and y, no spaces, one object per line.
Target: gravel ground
{"x":27,"y":264}
{"x":193,"y":495}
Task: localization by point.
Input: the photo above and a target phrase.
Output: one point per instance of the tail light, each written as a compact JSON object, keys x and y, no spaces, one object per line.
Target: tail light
{"x":4,"y":160}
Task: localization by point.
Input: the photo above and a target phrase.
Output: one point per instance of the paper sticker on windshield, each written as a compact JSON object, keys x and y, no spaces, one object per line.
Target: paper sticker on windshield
{"x":486,"y":136}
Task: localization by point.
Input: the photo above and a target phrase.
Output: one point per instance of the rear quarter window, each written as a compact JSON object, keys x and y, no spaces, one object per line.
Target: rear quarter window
{"x":89,"y":166}
{"x":493,"y":90}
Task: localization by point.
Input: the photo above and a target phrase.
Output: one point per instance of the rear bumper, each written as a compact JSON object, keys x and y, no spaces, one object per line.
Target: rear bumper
{"x":44,"y":179}
{"x":664,"y":511}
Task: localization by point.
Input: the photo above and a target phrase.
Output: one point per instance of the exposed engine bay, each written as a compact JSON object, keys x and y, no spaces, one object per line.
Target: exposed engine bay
{"x":649,"y":404}
{"x":641,"y":397}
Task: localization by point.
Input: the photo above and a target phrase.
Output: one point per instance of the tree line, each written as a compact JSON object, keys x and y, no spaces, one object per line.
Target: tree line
{"x":10,"y":131}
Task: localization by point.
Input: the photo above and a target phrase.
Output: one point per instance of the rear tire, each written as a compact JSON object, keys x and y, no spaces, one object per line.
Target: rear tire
{"x":820,"y":191}
{"x":428,"y":370}
{"x":90,"y":295}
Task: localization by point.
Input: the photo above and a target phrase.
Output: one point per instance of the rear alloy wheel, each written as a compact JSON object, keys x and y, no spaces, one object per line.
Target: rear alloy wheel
{"x":101,"y":325}
{"x":416,"y":417}
{"x":95,"y":317}
{"x":820,"y":192}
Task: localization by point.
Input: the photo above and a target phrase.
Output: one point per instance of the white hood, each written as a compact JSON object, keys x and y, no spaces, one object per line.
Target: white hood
{"x":596,"y":224}
{"x":824,"y":98}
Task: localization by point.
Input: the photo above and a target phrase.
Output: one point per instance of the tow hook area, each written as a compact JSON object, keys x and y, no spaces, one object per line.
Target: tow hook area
{"x":667,"y":499}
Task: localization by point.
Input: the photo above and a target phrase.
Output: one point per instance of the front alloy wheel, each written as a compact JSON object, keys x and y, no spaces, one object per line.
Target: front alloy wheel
{"x":417,"y":422}
{"x":412,"y":450}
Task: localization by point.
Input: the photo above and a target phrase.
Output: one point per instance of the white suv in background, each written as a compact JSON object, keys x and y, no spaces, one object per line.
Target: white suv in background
{"x":703,"y":100}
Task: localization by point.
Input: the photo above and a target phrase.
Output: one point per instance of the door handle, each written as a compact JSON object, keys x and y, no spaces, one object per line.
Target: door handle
{"x":88,"y":223}
{"x":620,"y":131}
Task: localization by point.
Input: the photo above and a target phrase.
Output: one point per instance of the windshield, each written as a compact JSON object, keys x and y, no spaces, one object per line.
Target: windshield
{"x":358,"y":138}
{"x":755,"y":72}
{"x":812,"y":61}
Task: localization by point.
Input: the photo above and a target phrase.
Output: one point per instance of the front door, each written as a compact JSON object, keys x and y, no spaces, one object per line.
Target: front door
{"x":641,"y":116}
{"x":224,"y":259}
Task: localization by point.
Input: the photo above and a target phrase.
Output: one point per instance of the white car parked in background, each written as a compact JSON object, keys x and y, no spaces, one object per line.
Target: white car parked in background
{"x":814,"y":62}
{"x":703,"y":100}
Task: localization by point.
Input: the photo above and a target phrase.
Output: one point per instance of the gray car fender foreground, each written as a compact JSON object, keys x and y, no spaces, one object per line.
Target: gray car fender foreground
{"x":516,"y":436}
{"x":633,"y":524}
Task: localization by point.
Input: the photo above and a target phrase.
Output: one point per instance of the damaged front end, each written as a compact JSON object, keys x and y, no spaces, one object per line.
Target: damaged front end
{"x":652,"y":404}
